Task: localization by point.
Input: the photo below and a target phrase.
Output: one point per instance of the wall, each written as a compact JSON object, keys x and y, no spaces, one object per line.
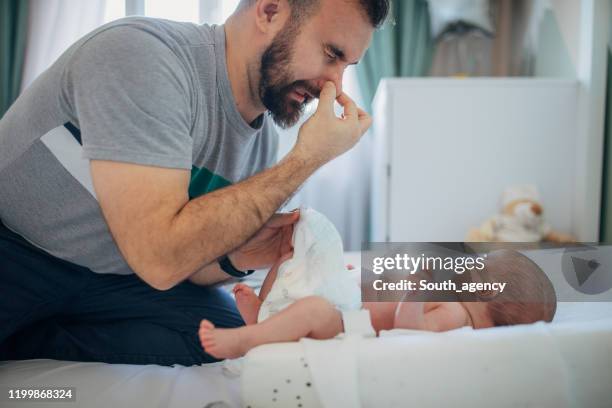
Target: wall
{"x":571,"y":38}
{"x":606,"y":203}
{"x":567,"y":14}
{"x":553,"y":57}
{"x":591,"y":74}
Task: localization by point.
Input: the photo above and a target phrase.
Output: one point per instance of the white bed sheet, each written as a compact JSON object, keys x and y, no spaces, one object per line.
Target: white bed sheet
{"x":117,"y":385}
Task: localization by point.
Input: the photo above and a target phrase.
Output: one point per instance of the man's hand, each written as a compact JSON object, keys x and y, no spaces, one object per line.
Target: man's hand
{"x":324,"y":136}
{"x":268,"y":244}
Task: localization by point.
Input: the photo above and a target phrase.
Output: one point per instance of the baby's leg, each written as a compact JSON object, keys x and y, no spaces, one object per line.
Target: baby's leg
{"x":312,"y":317}
{"x":247,"y":302}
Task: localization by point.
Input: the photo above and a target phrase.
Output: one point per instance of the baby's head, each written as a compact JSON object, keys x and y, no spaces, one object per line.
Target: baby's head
{"x":528,"y":296}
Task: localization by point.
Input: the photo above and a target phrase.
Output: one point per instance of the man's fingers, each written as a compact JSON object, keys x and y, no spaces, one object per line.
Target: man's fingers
{"x":286,"y":244}
{"x":327,"y":96}
{"x":287,"y":255}
{"x":281,"y":220}
{"x":350,"y":108}
{"x":365,"y":121}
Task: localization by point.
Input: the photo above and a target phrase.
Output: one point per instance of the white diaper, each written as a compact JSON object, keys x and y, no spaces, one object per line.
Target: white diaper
{"x":316,"y":268}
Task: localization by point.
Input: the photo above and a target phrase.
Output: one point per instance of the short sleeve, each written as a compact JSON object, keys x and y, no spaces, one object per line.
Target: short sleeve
{"x":131,"y":96}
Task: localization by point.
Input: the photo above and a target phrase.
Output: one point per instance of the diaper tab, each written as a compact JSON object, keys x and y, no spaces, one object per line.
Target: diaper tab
{"x":358,"y":323}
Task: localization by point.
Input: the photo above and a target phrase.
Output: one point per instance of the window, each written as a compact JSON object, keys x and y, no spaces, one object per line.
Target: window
{"x":195,"y":11}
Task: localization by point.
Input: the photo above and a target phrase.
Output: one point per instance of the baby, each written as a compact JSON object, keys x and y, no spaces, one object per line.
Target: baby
{"x":527,"y":298}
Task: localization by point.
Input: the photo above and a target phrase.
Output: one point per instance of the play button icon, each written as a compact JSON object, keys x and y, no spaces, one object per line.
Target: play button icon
{"x":587,"y":268}
{"x":584,"y":268}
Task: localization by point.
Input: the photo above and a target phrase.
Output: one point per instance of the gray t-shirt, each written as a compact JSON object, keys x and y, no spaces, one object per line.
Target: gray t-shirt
{"x":138,"y":90}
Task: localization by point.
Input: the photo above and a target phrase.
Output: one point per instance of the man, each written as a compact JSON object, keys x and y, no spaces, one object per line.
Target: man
{"x":139,"y":170}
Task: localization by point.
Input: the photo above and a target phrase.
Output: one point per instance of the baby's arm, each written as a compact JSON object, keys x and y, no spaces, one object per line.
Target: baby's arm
{"x":443,"y":317}
{"x":311,"y":316}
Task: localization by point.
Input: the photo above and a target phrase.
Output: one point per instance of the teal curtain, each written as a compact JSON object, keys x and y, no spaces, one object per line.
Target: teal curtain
{"x":605,"y":234}
{"x":13,"y":30}
{"x":401,"y":48}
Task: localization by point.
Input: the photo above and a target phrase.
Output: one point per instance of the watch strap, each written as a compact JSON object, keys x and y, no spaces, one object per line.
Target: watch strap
{"x":229,"y":268}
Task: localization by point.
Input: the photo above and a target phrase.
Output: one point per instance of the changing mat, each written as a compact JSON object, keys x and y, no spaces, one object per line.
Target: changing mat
{"x":567,"y":363}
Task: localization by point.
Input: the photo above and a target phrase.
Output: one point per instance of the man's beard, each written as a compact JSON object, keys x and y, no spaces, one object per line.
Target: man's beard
{"x":276,"y":86}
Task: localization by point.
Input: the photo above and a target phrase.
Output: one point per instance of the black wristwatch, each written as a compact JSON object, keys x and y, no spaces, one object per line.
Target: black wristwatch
{"x":227,"y":267}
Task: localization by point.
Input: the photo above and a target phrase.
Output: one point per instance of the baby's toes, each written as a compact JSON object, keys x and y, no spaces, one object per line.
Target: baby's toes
{"x":208,"y":343}
{"x":240,"y":287}
{"x":207,"y":339}
{"x":206,"y":325}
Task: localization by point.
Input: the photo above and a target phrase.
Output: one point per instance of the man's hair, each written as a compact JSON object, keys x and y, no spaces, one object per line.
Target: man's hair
{"x":529,"y":295}
{"x":375,"y":10}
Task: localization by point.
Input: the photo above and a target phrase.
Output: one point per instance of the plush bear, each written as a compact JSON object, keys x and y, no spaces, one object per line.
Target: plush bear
{"x":520,"y":220}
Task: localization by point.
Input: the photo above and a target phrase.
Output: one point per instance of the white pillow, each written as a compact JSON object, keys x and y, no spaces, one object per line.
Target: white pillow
{"x":445,"y":12}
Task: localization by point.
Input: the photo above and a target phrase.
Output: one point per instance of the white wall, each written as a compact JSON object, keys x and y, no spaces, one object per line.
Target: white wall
{"x":591,"y":71}
{"x":568,"y":13}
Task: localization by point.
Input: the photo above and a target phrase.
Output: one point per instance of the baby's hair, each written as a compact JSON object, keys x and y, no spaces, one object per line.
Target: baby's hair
{"x":529,"y":295}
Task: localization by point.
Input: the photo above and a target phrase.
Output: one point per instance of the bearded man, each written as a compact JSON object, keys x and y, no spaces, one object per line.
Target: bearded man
{"x":140,"y":169}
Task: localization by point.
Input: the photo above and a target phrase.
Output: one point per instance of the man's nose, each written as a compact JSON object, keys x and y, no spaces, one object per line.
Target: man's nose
{"x":336,"y":76}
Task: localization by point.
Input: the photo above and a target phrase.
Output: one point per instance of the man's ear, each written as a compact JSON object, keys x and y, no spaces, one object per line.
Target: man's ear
{"x":271,"y":15}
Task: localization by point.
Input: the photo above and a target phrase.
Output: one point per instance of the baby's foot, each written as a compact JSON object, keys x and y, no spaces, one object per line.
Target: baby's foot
{"x":248,"y":303}
{"x":221,"y":343}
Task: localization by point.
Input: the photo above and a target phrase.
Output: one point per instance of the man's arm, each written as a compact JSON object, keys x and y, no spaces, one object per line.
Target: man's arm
{"x":209,"y":275}
{"x":165,"y":237}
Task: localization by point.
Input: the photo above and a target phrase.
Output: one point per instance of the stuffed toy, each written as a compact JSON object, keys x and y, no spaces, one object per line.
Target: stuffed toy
{"x":520,"y":220}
